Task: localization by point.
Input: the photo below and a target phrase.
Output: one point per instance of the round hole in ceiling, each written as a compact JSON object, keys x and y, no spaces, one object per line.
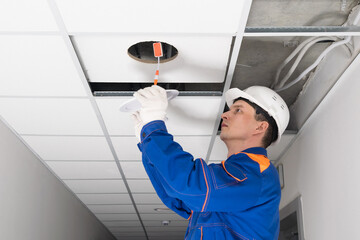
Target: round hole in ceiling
{"x":144,"y":52}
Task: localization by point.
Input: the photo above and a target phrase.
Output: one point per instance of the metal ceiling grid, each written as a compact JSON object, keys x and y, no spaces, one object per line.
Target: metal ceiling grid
{"x":125,"y":198}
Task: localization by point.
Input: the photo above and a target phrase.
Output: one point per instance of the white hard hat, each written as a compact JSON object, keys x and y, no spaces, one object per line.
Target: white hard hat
{"x":268,"y":100}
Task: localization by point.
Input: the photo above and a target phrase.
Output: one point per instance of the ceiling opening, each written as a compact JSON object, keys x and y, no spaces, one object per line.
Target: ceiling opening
{"x":143,"y":52}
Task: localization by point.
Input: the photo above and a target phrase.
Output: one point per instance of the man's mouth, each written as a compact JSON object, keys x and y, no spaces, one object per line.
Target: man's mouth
{"x":223,"y":125}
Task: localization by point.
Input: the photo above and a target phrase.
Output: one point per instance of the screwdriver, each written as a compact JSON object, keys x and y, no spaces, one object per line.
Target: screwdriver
{"x":157,"y":53}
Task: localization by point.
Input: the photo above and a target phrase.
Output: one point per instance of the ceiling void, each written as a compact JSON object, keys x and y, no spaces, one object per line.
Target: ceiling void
{"x":201,"y":58}
{"x":24,"y":15}
{"x":180,"y":16}
{"x":144,"y":52}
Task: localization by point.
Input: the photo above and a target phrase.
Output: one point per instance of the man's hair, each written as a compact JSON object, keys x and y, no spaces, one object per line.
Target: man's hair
{"x":271,"y":133}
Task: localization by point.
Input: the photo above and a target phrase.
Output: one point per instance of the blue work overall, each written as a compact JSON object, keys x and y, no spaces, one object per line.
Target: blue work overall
{"x":237,"y":199}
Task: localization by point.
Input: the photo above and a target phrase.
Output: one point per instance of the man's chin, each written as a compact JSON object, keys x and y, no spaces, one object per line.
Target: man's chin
{"x":222,"y":135}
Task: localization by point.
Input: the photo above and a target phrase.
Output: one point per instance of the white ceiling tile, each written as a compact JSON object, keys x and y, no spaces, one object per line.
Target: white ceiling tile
{"x":167,"y":234}
{"x":200,"y":58}
{"x":50,"y":116}
{"x":111,"y":208}
{"x":151,"y":208}
{"x":275,"y":151}
{"x":192,"y":115}
{"x":169,"y":228}
{"x":84,"y":170}
{"x":116,"y":216}
{"x":133,"y":170}
{"x":195,"y":145}
{"x":146,"y":198}
{"x":162,"y":216}
{"x":70,"y":148}
{"x":116,"y":230}
{"x":144,"y":16}
{"x":96,"y":186}
{"x":117,"y":123}
{"x":105,"y":199}
{"x":133,"y":238}
{"x":186,"y":116}
{"x":140,"y":186}
{"x":215,"y":161}
{"x":157,"y":223}
{"x":166,"y":237}
{"x":126,"y":148}
{"x":130,"y":235}
{"x":37,"y":66}
{"x":113,"y":224}
{"x":219,"y":150}
{"x":24,"y":15}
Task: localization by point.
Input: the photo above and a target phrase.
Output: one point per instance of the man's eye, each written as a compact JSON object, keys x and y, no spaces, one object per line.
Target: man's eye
{"x":237,"y":110}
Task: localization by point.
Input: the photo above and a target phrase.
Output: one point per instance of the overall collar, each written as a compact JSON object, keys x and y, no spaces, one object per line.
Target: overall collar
{"x":253,"y":150}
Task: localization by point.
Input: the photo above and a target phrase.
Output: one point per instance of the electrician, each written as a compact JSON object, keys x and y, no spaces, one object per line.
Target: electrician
{"x":237,"y":199}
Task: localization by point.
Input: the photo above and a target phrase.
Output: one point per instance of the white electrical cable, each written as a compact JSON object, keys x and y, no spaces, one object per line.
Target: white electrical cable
{"x":357,"y":18}
{"x":322,"y":55}
{"x":300,"y":57}
{"x":327,"y":50}
{"x":288,"y":59}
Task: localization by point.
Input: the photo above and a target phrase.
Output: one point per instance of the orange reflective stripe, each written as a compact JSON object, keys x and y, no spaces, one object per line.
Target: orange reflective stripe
{"x":190,"y":215}
{"x":201,"y":233}
{"x":223,"y":164}
{"x":262,"y":160}
{"x":207,"y":186}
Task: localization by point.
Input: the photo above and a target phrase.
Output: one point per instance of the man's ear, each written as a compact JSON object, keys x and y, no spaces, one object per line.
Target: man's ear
{"x":262,"y":127}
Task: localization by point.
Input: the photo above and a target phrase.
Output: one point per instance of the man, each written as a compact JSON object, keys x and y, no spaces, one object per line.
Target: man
{"x":237,"y":199}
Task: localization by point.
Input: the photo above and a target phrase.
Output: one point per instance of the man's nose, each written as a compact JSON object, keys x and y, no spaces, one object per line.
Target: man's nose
{"x":224,"y":115}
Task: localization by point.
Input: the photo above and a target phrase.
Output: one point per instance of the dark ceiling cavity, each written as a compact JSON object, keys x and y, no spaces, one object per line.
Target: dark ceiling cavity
{"x":143,"y":52}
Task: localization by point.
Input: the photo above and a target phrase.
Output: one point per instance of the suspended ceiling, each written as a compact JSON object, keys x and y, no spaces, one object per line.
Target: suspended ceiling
{"x":51,"y":50}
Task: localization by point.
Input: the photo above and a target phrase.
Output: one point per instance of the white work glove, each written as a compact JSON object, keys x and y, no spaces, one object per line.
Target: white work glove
{"x":153,"y":103}
{"x":138,"y":124}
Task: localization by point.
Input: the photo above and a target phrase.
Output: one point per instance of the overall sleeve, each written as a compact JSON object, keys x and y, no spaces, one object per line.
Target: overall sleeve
{"x":191,"y":181}
{"x":173,"y":203}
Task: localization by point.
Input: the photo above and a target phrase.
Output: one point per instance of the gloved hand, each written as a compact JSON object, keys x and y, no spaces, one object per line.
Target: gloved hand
{"x":138,"y":124}
{"x":154,"y":103}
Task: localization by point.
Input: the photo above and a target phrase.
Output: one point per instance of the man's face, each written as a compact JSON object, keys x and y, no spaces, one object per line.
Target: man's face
{"x":239,"y":122}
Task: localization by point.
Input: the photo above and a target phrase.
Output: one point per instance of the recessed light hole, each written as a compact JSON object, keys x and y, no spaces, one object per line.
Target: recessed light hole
{"x":143,"y":52}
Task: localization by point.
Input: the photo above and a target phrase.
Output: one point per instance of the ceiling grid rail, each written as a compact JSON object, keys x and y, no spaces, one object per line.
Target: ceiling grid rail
{"x":230,"y":71}
{"x":302,"y":31}
{"x":74,"y":57}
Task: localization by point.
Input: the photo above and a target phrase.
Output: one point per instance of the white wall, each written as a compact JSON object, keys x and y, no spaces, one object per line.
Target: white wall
{"x":323,"y":164}
{"x":34,"y":204}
